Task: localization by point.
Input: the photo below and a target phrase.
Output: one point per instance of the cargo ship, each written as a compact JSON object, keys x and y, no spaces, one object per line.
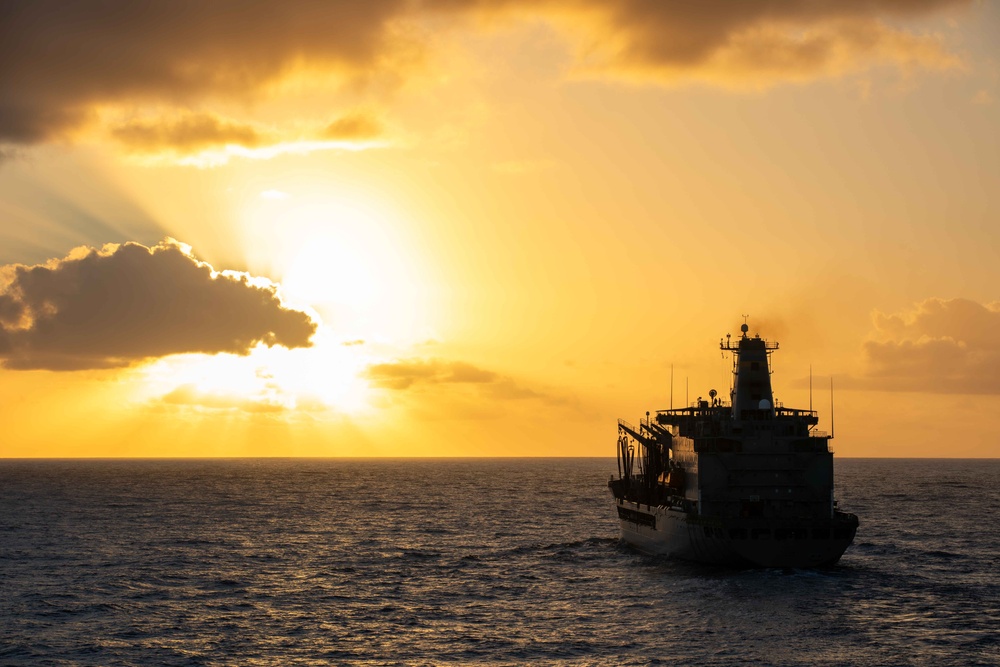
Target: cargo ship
{"x":745,"y":482}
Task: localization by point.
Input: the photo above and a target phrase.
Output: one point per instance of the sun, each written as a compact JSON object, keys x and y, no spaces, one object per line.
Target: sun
{"x":339,"y":268}
{"x":351,"y":258}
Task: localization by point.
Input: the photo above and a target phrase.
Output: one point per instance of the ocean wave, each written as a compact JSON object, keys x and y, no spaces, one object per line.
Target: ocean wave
{"x":316,"y":562}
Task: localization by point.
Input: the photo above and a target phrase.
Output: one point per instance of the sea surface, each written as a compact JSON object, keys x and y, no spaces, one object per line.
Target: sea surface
{"x":478,"y":562}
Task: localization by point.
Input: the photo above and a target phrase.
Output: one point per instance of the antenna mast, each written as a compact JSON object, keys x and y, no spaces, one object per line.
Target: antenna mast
{"x":831,"y":407}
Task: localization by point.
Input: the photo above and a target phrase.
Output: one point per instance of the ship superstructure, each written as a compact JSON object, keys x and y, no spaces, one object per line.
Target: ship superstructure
{"x":744,"y":482}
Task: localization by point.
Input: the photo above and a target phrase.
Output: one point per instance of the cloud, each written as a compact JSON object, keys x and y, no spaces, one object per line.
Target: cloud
{"x":983,"y":98}
{"x":123,"y":304}
{"x":352,"y":127}
{"x":206,"y":139}
{"x":404,"y":374}
{"x":260,"y":398}
{"x":941,"y":346}
{"x":189,"y":133}
{"x":63,"y":65}
{"x":752,"y":44}
{"x":62,"y":60}
{"x":410,"y":374}
{"x":191,"y":395}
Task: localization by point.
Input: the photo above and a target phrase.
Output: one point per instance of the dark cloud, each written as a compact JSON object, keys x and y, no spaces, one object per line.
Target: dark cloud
{"x":790,"y":37}
{"x":61,"y":60}
{"x":736,"y":44}
{"x":942,"y":346}
{"x":126,"y":303}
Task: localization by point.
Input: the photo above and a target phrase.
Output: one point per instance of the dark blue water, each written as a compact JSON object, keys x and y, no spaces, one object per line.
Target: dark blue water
{"x":506,"y":562}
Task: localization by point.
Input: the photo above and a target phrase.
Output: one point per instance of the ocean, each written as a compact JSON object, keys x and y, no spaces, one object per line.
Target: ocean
{"x":468,"y":562}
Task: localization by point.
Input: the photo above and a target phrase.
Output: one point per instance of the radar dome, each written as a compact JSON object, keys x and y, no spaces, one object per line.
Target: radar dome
{"x":765,"y":404}
{"x":744,"y":328}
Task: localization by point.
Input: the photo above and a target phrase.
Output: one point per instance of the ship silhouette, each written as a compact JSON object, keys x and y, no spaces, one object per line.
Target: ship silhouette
{"x":744,"y":482}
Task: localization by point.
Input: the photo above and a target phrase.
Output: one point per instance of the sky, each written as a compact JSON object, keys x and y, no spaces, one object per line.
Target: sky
{"x":447,"y":228}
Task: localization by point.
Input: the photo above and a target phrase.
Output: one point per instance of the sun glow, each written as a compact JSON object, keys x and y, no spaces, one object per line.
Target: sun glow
{"x":325,"y":378}
{"x":341,"y":257}
{"x":331,"y":268}
{"x":351,"y":259}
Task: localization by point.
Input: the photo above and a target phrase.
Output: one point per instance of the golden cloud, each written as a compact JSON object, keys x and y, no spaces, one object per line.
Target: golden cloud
{"x":191,"y":396}
{"x":409,"y":374}
{"x":127,"y":303}
{"x":188,"y":133}
{"x":353,"y":126}
{"x":940,"y":346}
{"x":204,"y":139}
{"x":404,"y":374}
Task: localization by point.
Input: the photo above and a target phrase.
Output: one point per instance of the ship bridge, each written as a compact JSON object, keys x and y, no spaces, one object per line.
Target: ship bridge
{"x":752,"y":397}
{"x":751,"y":409}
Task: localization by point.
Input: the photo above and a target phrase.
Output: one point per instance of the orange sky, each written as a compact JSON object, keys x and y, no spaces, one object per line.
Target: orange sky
{"x":482,"y":229}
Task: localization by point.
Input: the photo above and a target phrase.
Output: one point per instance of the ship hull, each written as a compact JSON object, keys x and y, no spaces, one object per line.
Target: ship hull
{"x":673,"y":532}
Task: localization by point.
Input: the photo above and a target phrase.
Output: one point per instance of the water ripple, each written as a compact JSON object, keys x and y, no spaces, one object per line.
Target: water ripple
{"x":272,"y":562}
